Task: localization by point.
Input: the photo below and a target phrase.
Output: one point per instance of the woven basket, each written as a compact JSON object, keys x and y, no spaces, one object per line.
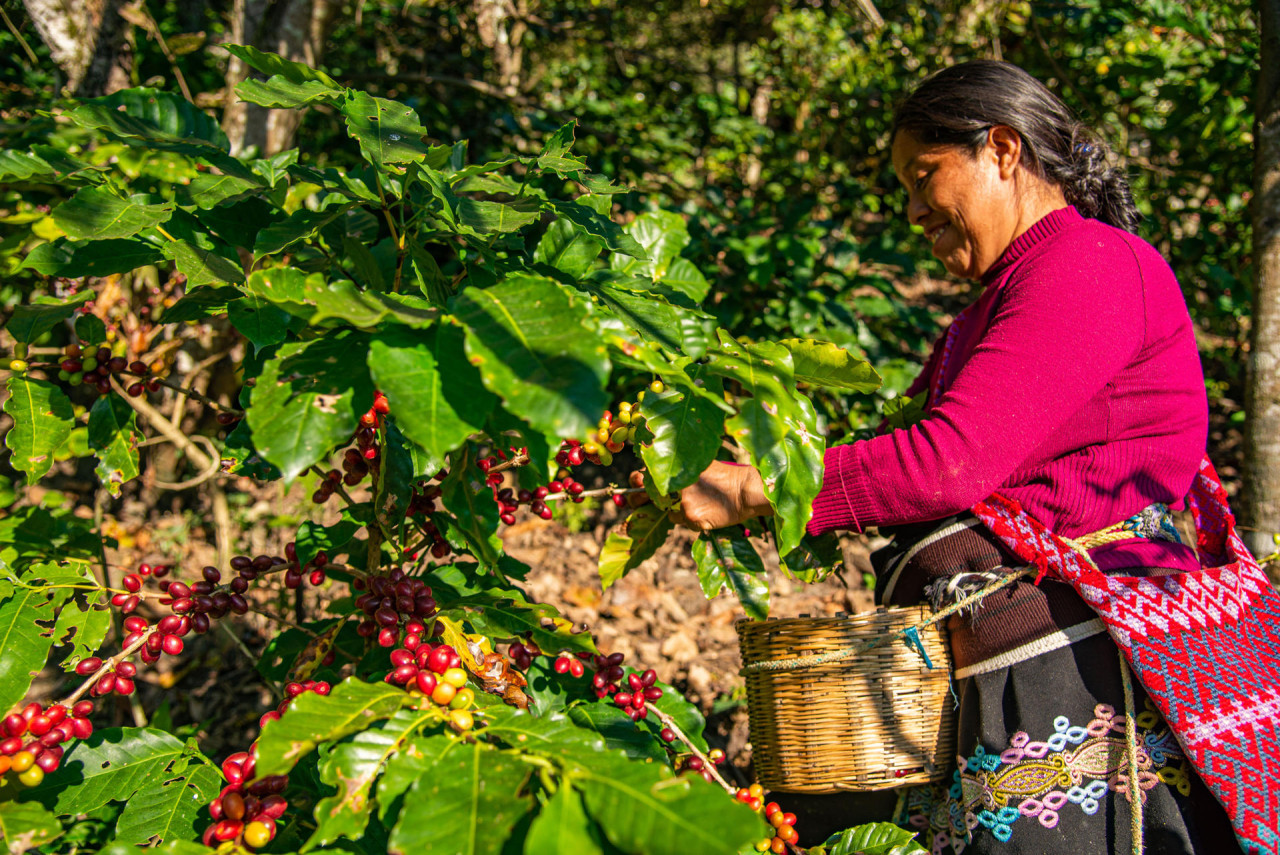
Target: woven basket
{"x":872,"y":721}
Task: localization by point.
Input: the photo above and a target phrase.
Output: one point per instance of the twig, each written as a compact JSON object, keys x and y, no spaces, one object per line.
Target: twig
{"x":382,"y":529}
{"x":157,"y":420}
{"x":214,"y":467}
{"x":668,"y":721}
{"x":108,"y":665}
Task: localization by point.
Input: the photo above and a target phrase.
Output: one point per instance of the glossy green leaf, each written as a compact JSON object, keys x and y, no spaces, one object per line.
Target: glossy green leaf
{"x":25,"y":644}
{"x":32,"y":320}
{"x":815,"y":558}
{"x":629,"y":545}
{"x":567,"y":248}
{"x":463,"y":495}
{"x":617,"y":730}
{"x":111,"y":765}
{"x":114,"y":436}
{"x":654,"y":319}
{"x":272,"y":64}
{"x":528,"y":337}
{"x":685,"y":278}
{"x":352,"y":767}
{"x":24,"y":826}
{"x":597,"y":225}
{"x":169,"y":807}
{"x":387,"y":131}
{"x":663,"y":235}
{"x":416,"y":756}
{"x":74,"y":259}
{"x":404,"y":368}
{"x":555,"y":154}
{"x":644,"y":809}
{"x":262,"y":323}
{"x":497,"y":217}
{"x":95,"y":213}
{"x":82,"y":625}
{"x":170,"y":114}
{"x":351,"y":707}
{"x":308,"y":400}
{"x":280,"y":92}
{"x":90,"y":329}
{"x":300,"y":225}
{"x":313,"y":538}
{"x":549,"y":629}
{"x":464,"y":390}
{"x":202,"y":265}
{"x":336,"y":180}
{"x":563,"y":826}
{"x":42,"y":421}
{"x":727,"y":559}
{"x":877,"y":838}
{"x":394,"y":487}
{"x":686,"y":436}
{"x":207,"y":190}
{"x":467,"y":804}
{"x":21,"y":165}
{"x":822,"y":363}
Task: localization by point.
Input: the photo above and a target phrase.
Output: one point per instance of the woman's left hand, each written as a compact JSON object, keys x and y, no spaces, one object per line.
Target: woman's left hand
{"x":725,"y":494}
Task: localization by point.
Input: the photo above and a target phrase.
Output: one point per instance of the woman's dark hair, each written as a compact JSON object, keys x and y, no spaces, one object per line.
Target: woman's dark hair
{"x":959,"y":105}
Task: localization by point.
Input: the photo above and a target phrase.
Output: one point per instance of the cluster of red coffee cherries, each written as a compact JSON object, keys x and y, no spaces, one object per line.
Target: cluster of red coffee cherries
{"x":435,"y":672}
{"x":33,"y":739}
{"x":356,"y":462}
{"x":291,"y":691}
{"x":388,"y":601}
{"x":246,"y":812}
{"x":693,"y":764}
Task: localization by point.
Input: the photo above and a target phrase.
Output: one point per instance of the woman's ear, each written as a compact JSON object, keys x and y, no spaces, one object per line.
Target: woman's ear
{"x":1004,"y":145}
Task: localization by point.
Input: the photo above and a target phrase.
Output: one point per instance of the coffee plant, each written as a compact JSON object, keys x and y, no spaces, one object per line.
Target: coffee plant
{"x":435,"y":348}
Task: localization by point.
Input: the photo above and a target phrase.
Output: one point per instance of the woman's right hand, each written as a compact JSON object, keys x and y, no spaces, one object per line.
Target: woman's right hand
{"x":725,"y":494}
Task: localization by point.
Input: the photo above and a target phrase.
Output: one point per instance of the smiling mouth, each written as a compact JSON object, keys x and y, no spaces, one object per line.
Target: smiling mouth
{"x":934,"y":233}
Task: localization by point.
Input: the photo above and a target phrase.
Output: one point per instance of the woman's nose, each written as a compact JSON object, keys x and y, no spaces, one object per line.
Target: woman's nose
{"x":917,"y":210}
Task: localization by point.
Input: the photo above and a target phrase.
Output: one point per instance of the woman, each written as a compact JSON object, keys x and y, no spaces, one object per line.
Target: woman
{"x":1073,"y":386}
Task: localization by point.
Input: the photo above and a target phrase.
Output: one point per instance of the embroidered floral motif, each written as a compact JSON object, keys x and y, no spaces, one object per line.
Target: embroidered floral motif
{"x":1075,"y":768}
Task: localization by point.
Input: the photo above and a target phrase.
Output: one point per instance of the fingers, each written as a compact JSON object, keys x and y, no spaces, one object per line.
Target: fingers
{"x":635,"y":500}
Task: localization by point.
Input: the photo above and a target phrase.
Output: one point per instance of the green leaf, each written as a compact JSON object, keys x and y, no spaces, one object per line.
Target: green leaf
{"x":75,"y":259}
{"x":308,"y":399}
{"x":313,"y":538}
{"x":683,"y":277}
{"x":19,"y":166}
{"x":597,"y":225}
{"x":97,"y":214}
{"x":902,"y":412}
{"x":467,"y":804}
{"x":280,"y":92}
{"x":113,"y":436}
{"x":29,"y":322}
{"x":619,"y":732}
{"x":877,"y":838}
{"x":815,"y":558}
{"x":415,"y":757}
{"x":726,"y":558}
{"x":111,"y":764}
{"x":653,"y":319}
{"x":82,"y":626}
{"x":42,"y":421}
{"x":351,"y":767}
{"x":662,"y":234}
{"x":201,"y":303}
{"x":563,"y":826}
{"x":567,"y":248}
{"x":497,"y":217}
{"x":549,"y":629}
{"x":387,"y":131}
{"x":25,"y":826}
{"x":207,"y":190}
{"x":171,"y":115}
{"x":351,"y":707}
{"x":24,"y":643}
{"x":169,"y":807}
{"x":299,"y":225}
{"x":90,"y":329}
{"x":822,"y":363}
{"x":462,"y":493}
{"x":644,"y":809}
{"x":404,"y":368}
{"x":395,"y":483}
{"x":202,"y":265}
{"x":687,"y":432}
{"x":632,"y":543}
{"x":530,"y":341}
{"x":262,"y":323}
{"x":555,"y":154}
{"x":273,"y":64}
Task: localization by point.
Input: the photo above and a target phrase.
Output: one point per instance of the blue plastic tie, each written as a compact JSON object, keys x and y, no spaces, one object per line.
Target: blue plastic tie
{"x":913,"y":641}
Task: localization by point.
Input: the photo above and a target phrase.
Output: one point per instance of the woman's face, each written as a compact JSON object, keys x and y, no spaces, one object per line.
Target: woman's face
{"x":966,"y":204}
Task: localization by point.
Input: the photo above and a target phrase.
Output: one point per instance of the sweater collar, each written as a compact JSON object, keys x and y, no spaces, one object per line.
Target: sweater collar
{"x":1043,"y":229}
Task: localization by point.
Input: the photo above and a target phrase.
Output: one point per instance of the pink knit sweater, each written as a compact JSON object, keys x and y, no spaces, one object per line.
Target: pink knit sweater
{"x":1074,"y":387}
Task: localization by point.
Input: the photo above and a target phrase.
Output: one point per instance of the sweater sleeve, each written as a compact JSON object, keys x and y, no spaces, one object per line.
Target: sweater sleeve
{"x":1065,"y":324}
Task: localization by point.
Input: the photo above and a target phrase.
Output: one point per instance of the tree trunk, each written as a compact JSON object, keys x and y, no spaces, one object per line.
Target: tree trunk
{"x":501,"y":26}
{"x":1262,"y":402}
{"x":86,"y":39}
{"x":295,"y":29}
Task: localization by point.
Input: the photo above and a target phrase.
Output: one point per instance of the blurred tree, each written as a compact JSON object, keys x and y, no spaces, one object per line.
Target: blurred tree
{"x":86,"y":40}
{"x":1262,"y":435}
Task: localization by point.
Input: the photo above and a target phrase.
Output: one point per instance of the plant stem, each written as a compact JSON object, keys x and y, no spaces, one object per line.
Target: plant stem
{"x":108,"y":665}
{"x":668,"y":721}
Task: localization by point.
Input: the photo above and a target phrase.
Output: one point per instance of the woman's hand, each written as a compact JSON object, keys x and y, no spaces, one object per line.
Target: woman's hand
{"x":725,"y":494}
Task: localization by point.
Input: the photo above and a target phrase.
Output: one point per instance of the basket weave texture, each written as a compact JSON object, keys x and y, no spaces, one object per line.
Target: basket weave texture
{"x":872,"y":721}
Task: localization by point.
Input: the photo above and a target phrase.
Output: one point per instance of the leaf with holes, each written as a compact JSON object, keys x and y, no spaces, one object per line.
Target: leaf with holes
{"x":351,"y":707}
{"x":42,"y":421}
{"x":725,"y":558}
{"x":111,"y":765}
{"x":169,"y":807}
{"x":387,"y":131}
{"x":24,"y":826}
{"x":113,"y":436}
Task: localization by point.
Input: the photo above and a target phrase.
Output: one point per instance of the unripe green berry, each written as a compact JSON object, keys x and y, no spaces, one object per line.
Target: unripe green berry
{"x":20,"y":350}
{"x":76,"y":378}
{"x":64,"y":375}
{"x":90,"y":363}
